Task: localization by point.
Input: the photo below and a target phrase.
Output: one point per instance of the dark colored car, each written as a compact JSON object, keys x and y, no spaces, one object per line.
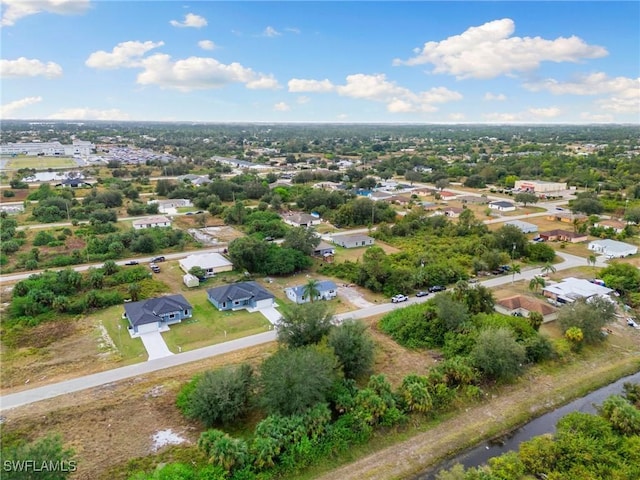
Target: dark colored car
{"x":131,"y":262}
{"x":437,"y":288}
{"x":422,"y":294}
{"x":157,"y":259}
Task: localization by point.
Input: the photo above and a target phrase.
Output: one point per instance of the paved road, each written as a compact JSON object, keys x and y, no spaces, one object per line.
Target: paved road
{"x":97,"y":379}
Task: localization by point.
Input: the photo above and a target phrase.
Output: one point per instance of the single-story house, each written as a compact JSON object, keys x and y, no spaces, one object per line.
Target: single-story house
{"x":567,"y":217}
{"x":446,"y":195}
{"x":453,"y":212}
{"x":327,"y":185}
{"x":196,"y":180}
{"x":571,"y":289}
{"x":211,"y":263}
{"x":559,"y":235}
{"x":156,"y":314}
{"x":380,"y":195}
{"x":247,"y":295}
{"x":299,"y":219}
{"x":151,"y":222}
{"x":429,"y":205}
{"x":502,"y":206}
{"x":171,"y":205}
{"x":326,"y":291}
{"x":353,"y":241}
{"x":190,"y":280}
{"x":524,"y":227}
{"x":613,"y":248}
{"x":323,"y":250}
{"x":522,"y":305}
{"x":398,"y":199}
{"x":617,"y":225}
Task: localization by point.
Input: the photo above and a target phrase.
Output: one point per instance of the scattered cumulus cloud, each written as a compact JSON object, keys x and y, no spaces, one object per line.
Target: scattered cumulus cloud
{"x":29,"y":67}
{"x":494,"y":97}
{"x":125,"y":54}
{"x":207,"y":45}
{"x":532,"y":115}
{"x":596,"y":117}
{"x":293,"y":30}
{"x":9,"y":110}
{"x":377,"y":88}
{"x":89,"y":114}
{"x":490,"y":50}
{"x":281,"y":107}
{"x":191,"y":20}
{"x":199,"y":73}
{"x":270,"y":32}
{"x":14,"y":10}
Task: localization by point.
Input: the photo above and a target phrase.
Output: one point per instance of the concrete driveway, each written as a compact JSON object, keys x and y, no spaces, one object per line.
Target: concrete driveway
{"x":271,"y":314}
{"x":154,"y":343}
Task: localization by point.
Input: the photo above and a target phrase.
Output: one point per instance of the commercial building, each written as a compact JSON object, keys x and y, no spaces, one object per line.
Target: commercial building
{"x":539,"y":186}
{"x":48,"y":149}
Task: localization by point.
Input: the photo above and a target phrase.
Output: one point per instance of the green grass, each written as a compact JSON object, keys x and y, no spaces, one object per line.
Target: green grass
{"x":40,"y":162}
{"x":131,"y":350}
{"x":208,"y":325}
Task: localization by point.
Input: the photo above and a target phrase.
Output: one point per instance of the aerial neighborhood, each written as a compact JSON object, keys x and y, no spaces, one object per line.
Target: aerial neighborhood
{"x":301,"y":276}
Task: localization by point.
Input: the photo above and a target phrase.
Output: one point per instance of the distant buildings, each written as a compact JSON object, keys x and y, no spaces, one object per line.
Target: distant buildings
{"x":171,"y":205}
{"x":48,"y":149}
{"x":353,"y":241}
{"x":502,"y":206}
{"x":538,"y":186}
{"x":524,"y":227}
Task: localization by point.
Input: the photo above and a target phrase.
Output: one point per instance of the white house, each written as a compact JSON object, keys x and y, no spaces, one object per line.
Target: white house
{"x":299,"y":219}
{"x":353,"y":240}
{"x":613,"y":248}
{"x":571,"y":289}
{"x":502,"y":206}
{"x":211,"y":263}
{"x":171,"y":205}
{"x":524,"y":227}
{"x":326,"y":291}
{"x":151,"y":222}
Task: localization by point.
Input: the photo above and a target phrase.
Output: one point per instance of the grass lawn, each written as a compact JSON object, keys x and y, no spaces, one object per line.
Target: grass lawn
{"x":131,"y":350}
{"x":40,"y":162}
{"x":209,"y":326}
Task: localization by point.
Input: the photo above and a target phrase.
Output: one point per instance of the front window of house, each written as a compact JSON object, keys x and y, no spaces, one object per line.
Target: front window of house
{"x":172,"y":315}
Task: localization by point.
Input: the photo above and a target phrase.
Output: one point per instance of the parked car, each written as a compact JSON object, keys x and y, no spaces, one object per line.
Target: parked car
{"x":422,"y":293}
{"x":157,"y":259}
{"x":155,"y":268}
{"x":199,"y":212}
{"x":399,"y":298}
{"x":437,"y":288}
{"x":131,"y":262}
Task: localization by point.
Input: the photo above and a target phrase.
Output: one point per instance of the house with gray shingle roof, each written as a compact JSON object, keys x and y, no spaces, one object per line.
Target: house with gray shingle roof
{"x":156,"y":314}
{"x":243,"y":295}
{"x":326,"y":291}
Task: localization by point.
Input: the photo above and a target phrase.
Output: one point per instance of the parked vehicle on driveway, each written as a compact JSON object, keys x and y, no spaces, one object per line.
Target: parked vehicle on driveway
{"x":422,"y":293}
{"x":157,"y":259}
{"x":155,"y":268}
{"x":399,"y":298}
{"x":437,"y":288}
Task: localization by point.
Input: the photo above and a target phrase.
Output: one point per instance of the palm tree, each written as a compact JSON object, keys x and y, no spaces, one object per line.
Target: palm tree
{"x":515,"y":268}
{"x":311,"y":289}
{"x":548,"y":268}
{"x":591,"y":260}
{"x":134,"y":291}
{"x":535,"y":283}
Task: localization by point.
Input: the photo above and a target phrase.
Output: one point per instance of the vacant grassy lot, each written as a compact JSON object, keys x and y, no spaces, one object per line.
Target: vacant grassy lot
{"x":40,"y":162}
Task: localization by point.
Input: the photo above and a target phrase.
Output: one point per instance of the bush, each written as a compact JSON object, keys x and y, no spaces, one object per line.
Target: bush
{"x":8,"y":193}
{"x":498,"y":355}
{"x":354,"y":348}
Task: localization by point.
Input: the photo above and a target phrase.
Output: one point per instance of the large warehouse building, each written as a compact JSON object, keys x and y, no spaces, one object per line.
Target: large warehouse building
{"x":538,"y":186}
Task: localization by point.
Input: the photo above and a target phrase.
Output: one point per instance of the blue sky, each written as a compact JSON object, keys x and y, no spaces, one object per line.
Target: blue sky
{"x":391,"y":62}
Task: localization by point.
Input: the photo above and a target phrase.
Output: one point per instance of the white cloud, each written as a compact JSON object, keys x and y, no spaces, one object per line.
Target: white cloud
{"x":9,"y":109}
{"x":377,"y":88}
{"x":532,"y":115}
{"x":281,"y":107}
{"x":596,"y":117}
{"x":302,"y":99}
{"x":490,"y":50}
{"x":293,"y":30}
{"x":125,"y":54}
{"x":199,"y":73}
{"x":457,"y":117}
{"x":191,"y":20}
{"x":342,"y":116}
{"x":89,"y":114}
{"x":624,"y":91}
{"x":271,"y":32}
{"x":14,"y":10}
{"x":206,"y":45}
{"x":494,"y":97}
{"x":29,"y":67}
{"x":301,"y":85}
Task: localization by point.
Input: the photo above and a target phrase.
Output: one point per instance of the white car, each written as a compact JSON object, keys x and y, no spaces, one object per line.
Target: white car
{"x":399,"y":298}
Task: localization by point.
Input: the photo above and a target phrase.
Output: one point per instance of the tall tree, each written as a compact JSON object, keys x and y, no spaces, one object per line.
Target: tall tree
{"x":305,"y":324}
{"x":311,"y":290}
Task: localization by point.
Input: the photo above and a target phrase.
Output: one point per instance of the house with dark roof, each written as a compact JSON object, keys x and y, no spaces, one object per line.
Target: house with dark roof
{"x":326,"y":291}
{"x":323,"y":250}
{"x":243,"y":295}
{"x":156,"y":314}
{"x":502,"y":206}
